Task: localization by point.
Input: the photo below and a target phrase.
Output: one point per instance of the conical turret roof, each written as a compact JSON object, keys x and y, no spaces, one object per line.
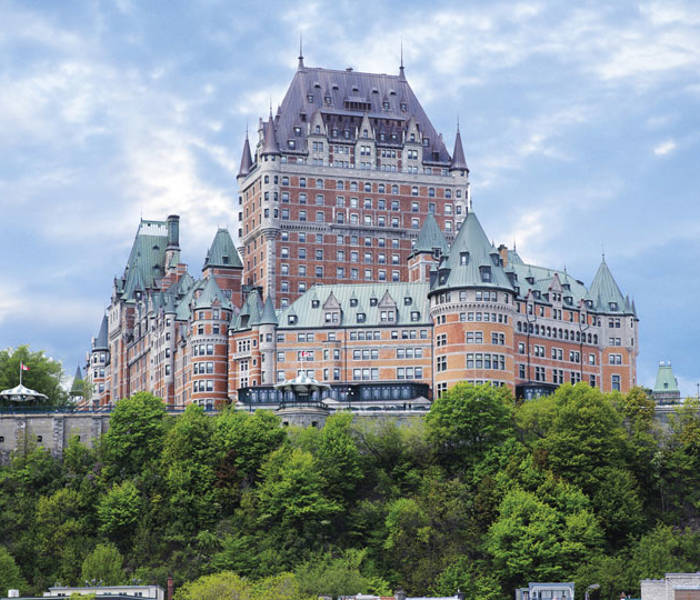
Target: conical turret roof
{"x":471,"y":261}
{"x":268,"y":316}
{"x":101,"y":339}
{"x":270,"y":145}
{"x":212,"y":295}
{"x":605,"y":289}
{"x":76,"y":389}
{"x":665,"y":379}
{"x":430,"y":237}
{"x":222,"y":252}
{"x":246,"y":159}
{"x":458,"y":160}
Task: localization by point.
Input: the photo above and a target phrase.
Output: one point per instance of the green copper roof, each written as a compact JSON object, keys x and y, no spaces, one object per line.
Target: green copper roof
{"x":665,"y":380}
{"x":222,"y":252}
{"x":352,"y":300}
{"x":472,"y":261}
{"x":430,"y":237}
{"x":101,"y":339}
{"x":212,"y":295}
{"x":76,"y":389}
{"x":147,"y":258}
{"x":268,"y":316}
{"x":250,"y":313}
{"x":606,"y":293}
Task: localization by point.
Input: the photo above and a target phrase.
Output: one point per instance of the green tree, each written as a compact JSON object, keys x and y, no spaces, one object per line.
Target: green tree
{"x":118,"y":512}
{"x":10,"y":575}
{"x":244,"y":442}
{"x":135,"y":435}
{"x":466,"y":575}
{"x":680,"y":465}
{"x":105,"y":564}
{"x":189,"y":460}
{"x":229,"y":586}
{"x":467,"y":420}
{"x":291,"y":501}
{"x":326,"y":575}
{"x":535,"y":540}
{"x":338,"y":457}
{"x":62,"y":534}
{"x":44,"y":374}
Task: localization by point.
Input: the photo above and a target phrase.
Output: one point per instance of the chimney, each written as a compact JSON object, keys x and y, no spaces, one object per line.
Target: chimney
{"x":171,"y":588}
{"x":173,"y":231}
{"x":503,"y":251}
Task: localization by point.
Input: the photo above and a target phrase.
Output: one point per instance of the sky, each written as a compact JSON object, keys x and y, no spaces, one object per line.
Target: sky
{"x":580,"y":124}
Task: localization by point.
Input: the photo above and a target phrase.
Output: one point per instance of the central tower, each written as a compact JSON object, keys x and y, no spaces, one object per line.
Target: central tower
{"x":340,"y":181}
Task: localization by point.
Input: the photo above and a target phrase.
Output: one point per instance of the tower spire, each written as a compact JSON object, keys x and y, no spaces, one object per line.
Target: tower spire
{"x":301,"y":53}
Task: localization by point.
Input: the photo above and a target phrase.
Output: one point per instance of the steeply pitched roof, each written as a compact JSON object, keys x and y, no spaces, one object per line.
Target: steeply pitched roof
{"x":458,"y":160}
{"x":605,"y":290}
{"x":101,"y":339}
{"x":270,"y":145}
{"x":250,"y":313}
{"x":212,"y":295}
{"x":75,"y":388}
{"x":359,"y":298}
{"x":342,"y":95}
{"x":268,"y":316}
{"x":430,"y":237}
{"x":246,"y":159}
{"x":469,"y":259}
{"x":147,"y":257}
{"x":665,"y":380}
{"x":222,"y":252}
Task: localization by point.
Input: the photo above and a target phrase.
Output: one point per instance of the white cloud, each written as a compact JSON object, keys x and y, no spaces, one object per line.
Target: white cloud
{"x":665,"y":147}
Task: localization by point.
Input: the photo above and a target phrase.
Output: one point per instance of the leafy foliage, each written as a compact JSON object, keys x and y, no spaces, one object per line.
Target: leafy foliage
{"x":482,"y":495}
{"x":44,"y":374}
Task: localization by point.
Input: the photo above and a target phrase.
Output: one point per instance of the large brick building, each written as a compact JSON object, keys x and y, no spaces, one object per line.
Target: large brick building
{"x":362,"y":264}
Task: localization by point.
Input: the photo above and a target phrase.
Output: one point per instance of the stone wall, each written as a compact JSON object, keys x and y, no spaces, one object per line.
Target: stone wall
{"x":49,"y":430}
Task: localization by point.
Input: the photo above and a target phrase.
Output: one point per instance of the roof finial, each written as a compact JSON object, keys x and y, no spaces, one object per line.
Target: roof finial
{"x":515,"y":247}
{"x":457,"y":122}
{"x":401,"y":67}
{"x":270,"y":108}
{"x":301,"y":53}
{"x":602,"y":251}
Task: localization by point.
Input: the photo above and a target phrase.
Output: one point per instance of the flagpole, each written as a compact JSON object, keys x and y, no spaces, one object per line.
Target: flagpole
{"x":20,"y":372}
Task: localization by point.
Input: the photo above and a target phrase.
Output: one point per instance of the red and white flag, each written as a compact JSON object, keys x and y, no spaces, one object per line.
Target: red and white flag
{"x":23,"y":367}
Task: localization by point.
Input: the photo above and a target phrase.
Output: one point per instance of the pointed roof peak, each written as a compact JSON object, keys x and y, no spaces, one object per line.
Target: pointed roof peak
{"x":268,"y":316}
{"x":246,"y":158}
{"x":270,"y":145}
{"x":471,"y":261}
{"x":430,"y":237}
{"x":605,"y":288}
{"x":458,"y":160}
{"x":222,"y":253}
{"x":101,"y":339}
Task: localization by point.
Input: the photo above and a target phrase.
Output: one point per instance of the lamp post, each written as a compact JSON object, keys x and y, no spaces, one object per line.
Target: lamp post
{"x":590,"y":588}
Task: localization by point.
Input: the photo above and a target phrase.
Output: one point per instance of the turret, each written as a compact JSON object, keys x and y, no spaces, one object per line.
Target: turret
{"x":246,"y":159}
{"x":429,"y":247}
{"x":224,"y":264}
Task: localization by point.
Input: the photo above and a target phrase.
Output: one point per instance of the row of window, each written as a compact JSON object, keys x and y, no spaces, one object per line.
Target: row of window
{"x":478,"y":296}
{"x":557,"y":376}
{"x":557,"y":333}
{"x":354,"y":186}
{"x":201,"y":368}
{"x":203,"y":385}
{"x":202,"y":349}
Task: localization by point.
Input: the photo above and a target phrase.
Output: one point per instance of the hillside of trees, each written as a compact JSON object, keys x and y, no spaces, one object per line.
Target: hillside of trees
{"x":483,"y":494}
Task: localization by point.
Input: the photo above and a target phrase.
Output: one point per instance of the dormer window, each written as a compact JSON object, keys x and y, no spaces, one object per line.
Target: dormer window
{"x":224,"y":259}
{"x":317,"y":129}
{"x":464,"y":258}
{"x":310,"y":98}
{"x":386,"y":105}
{"x":361,"y":317}
{"x":327,"y":99}
{"x":426,"y":141}
{"x":292,"y":319}
{"x":373,"y":301}
{"x":353,"y":301}
{"x":485,"y":274}
{"x":407,"y":301}
{"x":297,"y":131}
{"x":315,"y":304}
{"x":613,"y":305}
{"x":365,"y":133}
{"x":496,"y":259}
{"x":404,"y":107}
{"x":415,"y":316}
